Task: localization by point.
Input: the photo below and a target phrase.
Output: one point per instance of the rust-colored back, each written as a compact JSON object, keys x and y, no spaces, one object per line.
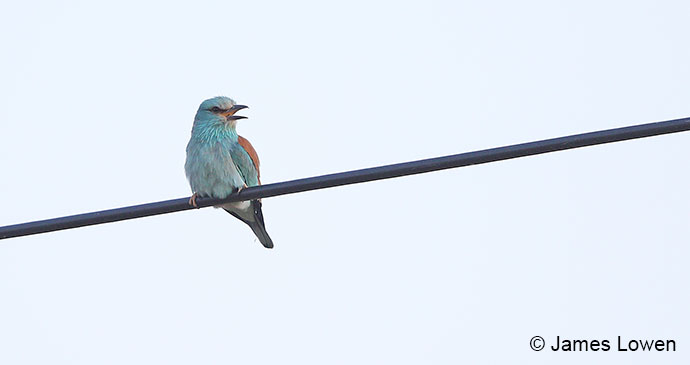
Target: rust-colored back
{"x":252,"y":153}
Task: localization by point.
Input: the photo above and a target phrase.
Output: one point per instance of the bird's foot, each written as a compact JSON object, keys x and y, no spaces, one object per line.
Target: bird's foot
{"x":192,"y":200}
{"x":241,"y":188}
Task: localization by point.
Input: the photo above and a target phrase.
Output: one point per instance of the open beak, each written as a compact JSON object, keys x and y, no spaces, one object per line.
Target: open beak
{"x":230,"y":113}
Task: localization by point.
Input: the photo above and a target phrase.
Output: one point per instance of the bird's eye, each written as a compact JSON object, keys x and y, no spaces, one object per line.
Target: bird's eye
{"x":215,"y":109}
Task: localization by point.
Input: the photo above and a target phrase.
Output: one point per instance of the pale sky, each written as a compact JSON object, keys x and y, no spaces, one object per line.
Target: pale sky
{"x":460,"y":266}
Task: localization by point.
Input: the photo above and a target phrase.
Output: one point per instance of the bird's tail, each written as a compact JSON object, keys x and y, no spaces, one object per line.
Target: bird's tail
{"x":257,"y":225}
{"x":260,"y":232}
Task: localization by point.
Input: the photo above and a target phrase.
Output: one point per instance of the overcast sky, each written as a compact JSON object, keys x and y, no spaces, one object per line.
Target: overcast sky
{"x":460,"y":266}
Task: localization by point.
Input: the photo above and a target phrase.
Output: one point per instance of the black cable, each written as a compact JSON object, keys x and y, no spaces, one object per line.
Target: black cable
{"x":354,"y":177}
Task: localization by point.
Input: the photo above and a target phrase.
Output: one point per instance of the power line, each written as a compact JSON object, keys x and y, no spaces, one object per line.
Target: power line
{"x":354,"y":177}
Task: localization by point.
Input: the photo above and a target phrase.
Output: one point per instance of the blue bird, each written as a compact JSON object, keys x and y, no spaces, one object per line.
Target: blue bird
{"x":220,"y":162}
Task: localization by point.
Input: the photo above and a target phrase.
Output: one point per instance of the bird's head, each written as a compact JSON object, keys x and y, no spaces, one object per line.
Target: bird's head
{"x":220,"y":110}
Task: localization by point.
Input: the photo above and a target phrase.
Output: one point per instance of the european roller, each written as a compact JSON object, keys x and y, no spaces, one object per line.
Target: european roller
{"x":220,"y":162}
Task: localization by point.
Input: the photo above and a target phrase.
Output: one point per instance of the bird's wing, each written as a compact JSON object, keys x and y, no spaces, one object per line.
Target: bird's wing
{"x":247,"y":162}
{"x":252,"y":153}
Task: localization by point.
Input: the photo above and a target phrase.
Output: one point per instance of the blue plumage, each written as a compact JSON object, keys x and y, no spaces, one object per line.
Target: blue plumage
{"x":219,"y":163}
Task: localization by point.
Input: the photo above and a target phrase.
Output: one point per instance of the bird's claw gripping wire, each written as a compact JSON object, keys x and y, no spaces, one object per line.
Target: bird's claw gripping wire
{"x":241,"y":188}
{"x":192,"y":200}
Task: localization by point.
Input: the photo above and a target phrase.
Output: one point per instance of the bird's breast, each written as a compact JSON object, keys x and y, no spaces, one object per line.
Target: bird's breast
{"x":211,"y":170}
